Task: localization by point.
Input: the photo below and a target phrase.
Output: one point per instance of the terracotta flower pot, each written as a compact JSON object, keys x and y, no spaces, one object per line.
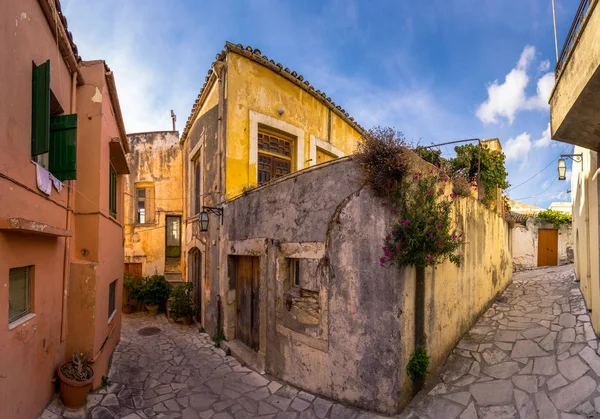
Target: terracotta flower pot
{"x":187,"y":320}
{"x":152,"y":309}
{"x":128,"y":309}
{"x":74,"y":393}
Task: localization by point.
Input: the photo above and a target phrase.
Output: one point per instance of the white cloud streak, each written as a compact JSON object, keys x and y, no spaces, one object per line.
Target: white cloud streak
{"x":506,"y":99}
{"x":517,"y":149}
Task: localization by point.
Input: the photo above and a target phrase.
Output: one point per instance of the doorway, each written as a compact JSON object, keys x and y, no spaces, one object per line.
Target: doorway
{"x":547,"y":247}
{"x":172,"y":243}
{"x":247,"y":296}
{"x":194,"y":272}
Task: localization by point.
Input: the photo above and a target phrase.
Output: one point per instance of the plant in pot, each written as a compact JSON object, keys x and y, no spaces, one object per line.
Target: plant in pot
{"x":181,"y":302}
{"x":155,"y":290}
{"x":76,"y":377}
{"x":133,"y":288}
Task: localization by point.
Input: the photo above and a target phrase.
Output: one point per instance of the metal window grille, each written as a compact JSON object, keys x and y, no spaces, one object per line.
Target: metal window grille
{"x":19,"y":293}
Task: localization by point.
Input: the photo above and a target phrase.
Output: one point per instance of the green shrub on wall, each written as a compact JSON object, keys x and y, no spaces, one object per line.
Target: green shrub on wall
{"x":557,"y":218}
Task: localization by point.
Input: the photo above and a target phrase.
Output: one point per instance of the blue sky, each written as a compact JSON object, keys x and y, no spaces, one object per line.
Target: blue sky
{"x":438,"y":70}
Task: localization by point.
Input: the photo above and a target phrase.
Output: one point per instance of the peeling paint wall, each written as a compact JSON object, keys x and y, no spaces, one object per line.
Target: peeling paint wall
{"x":525,"y":244}
{"x":358,"y":350}
{"x":155,"y":163}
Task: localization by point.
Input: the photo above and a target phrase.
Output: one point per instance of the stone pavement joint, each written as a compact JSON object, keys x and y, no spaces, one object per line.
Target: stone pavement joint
{"x":536,"y":352}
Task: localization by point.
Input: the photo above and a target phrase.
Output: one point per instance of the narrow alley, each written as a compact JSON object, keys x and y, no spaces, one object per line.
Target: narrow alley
{"x":532,"y":354}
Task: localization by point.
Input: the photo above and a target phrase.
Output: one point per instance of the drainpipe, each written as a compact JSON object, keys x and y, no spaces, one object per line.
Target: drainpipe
{"x":68,"y":221}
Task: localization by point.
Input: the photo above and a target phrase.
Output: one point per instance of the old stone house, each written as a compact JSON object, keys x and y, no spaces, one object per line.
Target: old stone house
{"x":154,"y":205}
{"x":61,"y":220}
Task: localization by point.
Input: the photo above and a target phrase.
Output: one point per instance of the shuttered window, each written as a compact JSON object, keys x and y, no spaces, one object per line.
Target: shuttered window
{"x":19,"y":293}
{"x":145,"y":203}
{"x":63,"y":147}
{"x":274,"y":156}
{"x":112,"y":189}
{"x":112,"y":289}
{"x":40,"y":109}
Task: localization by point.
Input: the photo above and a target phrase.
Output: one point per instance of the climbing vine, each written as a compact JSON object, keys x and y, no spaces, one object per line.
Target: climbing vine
{"x":557,"y":218}
{"x":418,"y":365}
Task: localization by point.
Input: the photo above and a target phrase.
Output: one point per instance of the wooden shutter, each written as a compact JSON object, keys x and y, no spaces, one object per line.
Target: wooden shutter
{"x":40,"y":109}
{"x":150,"y":207}
{"x":112,"y":192}
{"x":63,"y":147}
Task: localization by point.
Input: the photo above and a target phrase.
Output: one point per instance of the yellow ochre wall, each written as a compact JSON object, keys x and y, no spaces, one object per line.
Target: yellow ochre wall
{"x":253,"y":87}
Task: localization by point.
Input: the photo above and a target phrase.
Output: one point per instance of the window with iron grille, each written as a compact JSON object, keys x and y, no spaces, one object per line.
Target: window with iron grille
{"x":112,"y":198}
{"x":274,"y":156}
{"x":112,"y":289}
{"x":19,"y":293}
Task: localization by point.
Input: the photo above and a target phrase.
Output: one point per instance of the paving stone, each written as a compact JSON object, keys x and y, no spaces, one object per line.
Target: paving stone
{"x":306,"y":396}
{"x":299,"y":405}
{"x":281,"y":403}
{"x":110,"y":400}
{"x":202,"y":401}
{"x":545,"y":365}
{"x":342,"y":412}
{"x":494,"y":356}
{"x":101,"y":412}
{"x":492,"y":393}
{"x":498,"y":412}
{"x":535,"y":332}
{"x":555,"y":382}
{"x":570,"y":396}
{"x":547,"y":343}
{"x":465,"y":381}
{"x":525,"y":405}
{"x":455,"y":368}
{"x":502,"y":370}
{"x":545,"y":408}
{"x":462,"y":397}
{"x":572,"y":368}
{"x":526,"y":382}
{"x":567,"y":320}
{"x":506,"y":336}
{"x":585,"y":408}
{"x":436,"y":408}
{"x":475,"y":369}
{"x":274,"y":386}
{"x":527,"y":369}
{"x":526,"y":349}
{"x":254,"y":379}
{"x":266,"y":409}
{"x":591,"y":358}
{"x":505,"y":346}
{"x":566,"y":335}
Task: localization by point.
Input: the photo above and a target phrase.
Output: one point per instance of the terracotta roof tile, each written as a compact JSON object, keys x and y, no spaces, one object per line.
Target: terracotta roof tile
{"x":256,"y":55}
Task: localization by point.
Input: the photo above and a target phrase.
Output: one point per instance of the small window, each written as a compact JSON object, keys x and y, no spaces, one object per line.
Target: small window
{"x":19,"y":293}
{"x":112,"y":288}
{"x":295,"y":272}
{"x":197,"y":184}
{"x":112,"y":187}
{"x":141,"y":206}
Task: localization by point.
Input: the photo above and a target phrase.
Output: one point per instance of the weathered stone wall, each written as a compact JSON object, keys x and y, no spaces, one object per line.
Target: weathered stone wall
{"x":524,"y":246}
{"x":346,"y":329}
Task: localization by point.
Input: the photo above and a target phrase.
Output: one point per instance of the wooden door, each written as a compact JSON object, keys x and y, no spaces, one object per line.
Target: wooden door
{"x":133,"y":269}
{"x":247,"y":296}
{"x":547,"y":247}
{"x":194,"y":270}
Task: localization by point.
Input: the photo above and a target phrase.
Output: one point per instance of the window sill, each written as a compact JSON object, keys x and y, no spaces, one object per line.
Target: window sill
{"x":20,"y":321}
{"x":112,"y":316}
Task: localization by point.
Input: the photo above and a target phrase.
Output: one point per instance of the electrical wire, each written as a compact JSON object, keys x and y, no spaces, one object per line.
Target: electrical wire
{"x":545,"y":167}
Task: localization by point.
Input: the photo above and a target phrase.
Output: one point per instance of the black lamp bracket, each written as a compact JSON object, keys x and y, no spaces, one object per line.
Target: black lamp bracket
{"x":214,"y":210}
{"x":575,"y":157}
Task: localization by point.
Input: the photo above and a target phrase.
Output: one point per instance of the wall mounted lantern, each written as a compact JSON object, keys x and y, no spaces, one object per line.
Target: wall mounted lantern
{"x":203,"y":217}
{"x":562,"y":164}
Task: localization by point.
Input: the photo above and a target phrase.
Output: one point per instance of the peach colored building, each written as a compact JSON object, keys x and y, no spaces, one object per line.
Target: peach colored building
{"x":62,"y":158}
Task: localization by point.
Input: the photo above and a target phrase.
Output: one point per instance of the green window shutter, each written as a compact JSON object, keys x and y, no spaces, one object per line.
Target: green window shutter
{"x":112,"y":192}
{"x":63,"y":147}
{"x":40,"y":109}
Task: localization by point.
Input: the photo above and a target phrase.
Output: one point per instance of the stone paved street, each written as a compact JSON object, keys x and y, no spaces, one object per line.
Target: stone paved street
{"x":532,"y":355}
{"x":178,"y":373}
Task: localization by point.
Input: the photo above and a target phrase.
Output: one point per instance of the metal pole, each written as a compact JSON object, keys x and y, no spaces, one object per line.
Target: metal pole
{"x":555,"y":39}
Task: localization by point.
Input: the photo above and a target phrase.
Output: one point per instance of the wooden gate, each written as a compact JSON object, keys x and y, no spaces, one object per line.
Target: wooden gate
{"x":547,"y":247}
{"x":247,"y":296}
{"x":133,"y":269}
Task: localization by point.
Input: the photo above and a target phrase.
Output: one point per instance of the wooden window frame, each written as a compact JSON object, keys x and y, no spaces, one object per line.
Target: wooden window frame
{"x":112,"y":299}
{"x":113,"y":195}
{"x":197,"y":182}
{"x":274,"y":156}
{"x":138,"y":199}
{"x":167,"y":236}
{"x":29,"y":309}
{"x":149,"y":203}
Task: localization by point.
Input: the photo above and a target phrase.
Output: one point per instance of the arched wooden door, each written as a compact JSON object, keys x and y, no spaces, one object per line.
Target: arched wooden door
{"x":194,"y":273}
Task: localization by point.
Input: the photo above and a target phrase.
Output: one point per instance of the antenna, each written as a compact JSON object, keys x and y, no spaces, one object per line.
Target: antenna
{"x":173,"y":118}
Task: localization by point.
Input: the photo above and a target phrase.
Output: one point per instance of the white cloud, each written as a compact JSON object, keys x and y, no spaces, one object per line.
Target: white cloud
{"x":508,"y":98}
{"x":545,"y":141}
{"x":544,"y":66}
{"x":517,"y":148}
{"x":545,"y":185}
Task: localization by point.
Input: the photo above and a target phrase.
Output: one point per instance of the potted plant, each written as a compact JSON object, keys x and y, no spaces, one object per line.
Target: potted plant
{"x":181,"y":302}
{"x":133,"y":288}
{"x":76,"y":377}
{"x":154,"y":291}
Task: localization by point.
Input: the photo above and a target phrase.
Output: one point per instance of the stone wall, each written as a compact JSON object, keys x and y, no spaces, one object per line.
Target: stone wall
{"x":524,"y":244}
{"x":342,"y":325}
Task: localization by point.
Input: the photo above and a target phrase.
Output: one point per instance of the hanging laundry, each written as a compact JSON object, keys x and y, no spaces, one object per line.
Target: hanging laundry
{"x":58,"y":185}
{"x":44,"y":183}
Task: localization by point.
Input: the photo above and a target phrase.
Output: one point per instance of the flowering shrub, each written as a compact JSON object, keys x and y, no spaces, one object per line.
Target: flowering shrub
{"x":421,"y":234}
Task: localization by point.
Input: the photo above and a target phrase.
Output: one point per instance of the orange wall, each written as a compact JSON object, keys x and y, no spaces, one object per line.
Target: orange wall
{"x":30,"y":353}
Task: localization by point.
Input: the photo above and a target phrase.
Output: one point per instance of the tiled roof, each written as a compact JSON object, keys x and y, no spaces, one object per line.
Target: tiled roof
{"x":63,"y":20}
{"x":256,"y":56}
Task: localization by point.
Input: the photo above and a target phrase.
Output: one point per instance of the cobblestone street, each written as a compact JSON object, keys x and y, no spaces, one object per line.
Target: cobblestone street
{"x":178,"y":373}
{"x":532,"y":355}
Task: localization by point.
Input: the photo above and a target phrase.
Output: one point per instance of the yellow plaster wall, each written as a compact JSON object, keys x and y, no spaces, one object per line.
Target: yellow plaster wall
{"x":253,"y":87}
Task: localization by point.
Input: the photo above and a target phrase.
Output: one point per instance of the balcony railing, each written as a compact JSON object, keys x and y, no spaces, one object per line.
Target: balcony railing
{"x":576,"y":27}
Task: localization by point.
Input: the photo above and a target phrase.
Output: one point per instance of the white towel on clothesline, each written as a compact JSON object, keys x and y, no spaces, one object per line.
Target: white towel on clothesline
{"x":44,"y":183}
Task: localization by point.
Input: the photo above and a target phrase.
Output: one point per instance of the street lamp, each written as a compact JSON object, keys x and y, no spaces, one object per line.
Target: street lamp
{"x":203,"y":217}
{"x":562,"y":164}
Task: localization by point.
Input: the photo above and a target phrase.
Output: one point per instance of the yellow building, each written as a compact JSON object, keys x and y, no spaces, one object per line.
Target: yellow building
{"x":253,"y":122}
{"x":154,"y":205}
{"x":575,"y":119}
